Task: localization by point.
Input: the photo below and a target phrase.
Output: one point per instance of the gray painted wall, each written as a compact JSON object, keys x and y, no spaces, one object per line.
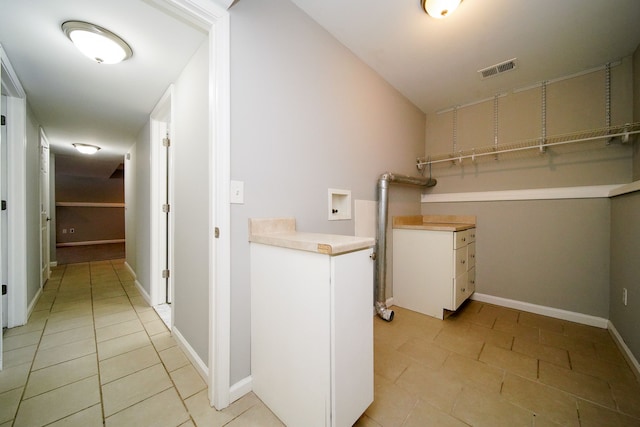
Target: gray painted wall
{"x":636,"y":112}
{"x":625,"y":270}
{"x":553,"y":253}
{"x":131,"y":195}
{"x":625,"y":232}
{"x":306,"y":116}
{"x":32,"y":200}
{"x":190,"y":275}
{"x":143,"y":208}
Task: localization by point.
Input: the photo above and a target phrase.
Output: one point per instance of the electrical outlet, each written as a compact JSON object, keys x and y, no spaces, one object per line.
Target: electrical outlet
{"x":624,"y":296}
{"x":64,"y":231}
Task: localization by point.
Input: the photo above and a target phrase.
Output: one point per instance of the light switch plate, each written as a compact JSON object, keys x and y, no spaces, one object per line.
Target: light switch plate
{"x":236,"y":192}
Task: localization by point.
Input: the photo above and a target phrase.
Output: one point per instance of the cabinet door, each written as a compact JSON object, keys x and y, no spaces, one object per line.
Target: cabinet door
{"x":290,"y":333}
{"x":352,"y":336}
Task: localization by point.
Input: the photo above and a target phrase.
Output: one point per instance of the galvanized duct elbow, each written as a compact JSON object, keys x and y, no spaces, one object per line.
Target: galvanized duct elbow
{"x":380,"y":278}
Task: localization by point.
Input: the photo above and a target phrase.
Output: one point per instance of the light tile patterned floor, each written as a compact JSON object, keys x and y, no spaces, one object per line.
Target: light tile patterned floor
{"x":93,"y":353}
{"x":492,"y":366}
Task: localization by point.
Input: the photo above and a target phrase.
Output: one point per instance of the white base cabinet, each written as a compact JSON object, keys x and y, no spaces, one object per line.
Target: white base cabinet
{"x":433,"y":270}
{"x":312,"y":334}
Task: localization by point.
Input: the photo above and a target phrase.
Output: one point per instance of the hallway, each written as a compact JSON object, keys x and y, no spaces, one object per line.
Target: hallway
{"x":94,"y":353}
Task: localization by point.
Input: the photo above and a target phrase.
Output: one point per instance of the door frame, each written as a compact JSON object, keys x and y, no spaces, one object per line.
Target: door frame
{"x":45,"y":203}
{"x":213,"y":17}
{"x":16,"y":193}
{"x":159,"y":117}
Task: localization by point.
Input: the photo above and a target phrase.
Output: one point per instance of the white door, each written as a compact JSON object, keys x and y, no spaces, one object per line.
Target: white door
{"x":44,"y":209}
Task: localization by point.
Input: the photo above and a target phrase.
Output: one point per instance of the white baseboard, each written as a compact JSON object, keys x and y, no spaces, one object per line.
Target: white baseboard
{"x":32,"y":305}
{"x":89,"y":243}
{"x":557,"y":313}
{"x":144,"y":293}
{"x":626,"y":351}
{"x":133,"y":273}
{"x":200,"y":366}
{"x":239,"y":389}
{"x":53,"y":264}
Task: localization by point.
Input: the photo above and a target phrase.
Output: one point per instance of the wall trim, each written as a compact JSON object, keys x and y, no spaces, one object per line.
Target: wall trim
{"x":191,"y":354}
{"x":556,"y":313}
{"x":33,"y":303}
{"x":239,"y":389}
{"x":89,"y":205}
{"x":53,"y":264}
{"x":89,"y":242}
{"x":626,"y":351}
{"x":625,"y":189}
{"x":143,"y":293}
{"x":133,"y":273}
{"x":584,"y":192}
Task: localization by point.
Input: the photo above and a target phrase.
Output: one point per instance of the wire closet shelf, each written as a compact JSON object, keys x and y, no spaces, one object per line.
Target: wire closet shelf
{"x":620,"y":133}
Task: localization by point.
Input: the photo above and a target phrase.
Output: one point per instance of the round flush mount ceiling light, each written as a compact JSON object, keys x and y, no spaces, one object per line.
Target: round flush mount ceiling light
{"x":97,"y":43}
{"x":86,"y":148}
{"x":440,"y":8}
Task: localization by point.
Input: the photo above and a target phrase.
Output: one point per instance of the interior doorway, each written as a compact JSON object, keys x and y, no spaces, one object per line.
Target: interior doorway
{"x":161,"y":201}
{"x":45,"y":219}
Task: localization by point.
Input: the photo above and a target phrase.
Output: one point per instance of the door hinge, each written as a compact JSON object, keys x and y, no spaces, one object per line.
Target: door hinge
{"x":4,"y":120}
{"x":3,"y":205}
{"x":166,"y":208}
{"x":165,"y":274}
{"x":166,"y":142}
{"x":216,"y":233}
{"x":4,"y":289}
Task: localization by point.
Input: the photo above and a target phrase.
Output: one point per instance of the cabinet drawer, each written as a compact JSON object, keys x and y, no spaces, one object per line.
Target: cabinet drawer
{"x":472,"y":235}
{"x":471,"y":255}
{"x":461,"y":262}
{"x":471,"y":288}
{"x":460,"y":290}
{"x":460,"y":239}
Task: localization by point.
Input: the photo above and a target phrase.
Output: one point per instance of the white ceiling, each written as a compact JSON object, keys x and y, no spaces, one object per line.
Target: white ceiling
{"x":77,"y":100}
{"x":434,"y":62}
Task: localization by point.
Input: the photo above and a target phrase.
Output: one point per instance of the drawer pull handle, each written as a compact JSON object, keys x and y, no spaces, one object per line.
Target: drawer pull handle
{"x":463,"y":261}
{"x":464,"y":289}
{"x":464,"y":239}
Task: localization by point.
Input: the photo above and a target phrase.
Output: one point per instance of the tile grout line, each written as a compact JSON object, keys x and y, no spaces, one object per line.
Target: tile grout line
{"x":173,"y":385}
{"x":24,"y":389}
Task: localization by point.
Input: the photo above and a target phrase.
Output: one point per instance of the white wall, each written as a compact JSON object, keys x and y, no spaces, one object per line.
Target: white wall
{"x":32,"y":191}
{"x":306,"y":116}
{"x":190,"y":209}
{"x":143,"y":208}
{"x":131,"y":197}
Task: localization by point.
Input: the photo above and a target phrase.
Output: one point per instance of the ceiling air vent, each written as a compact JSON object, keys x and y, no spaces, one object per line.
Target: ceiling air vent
{"x":500,"y":68}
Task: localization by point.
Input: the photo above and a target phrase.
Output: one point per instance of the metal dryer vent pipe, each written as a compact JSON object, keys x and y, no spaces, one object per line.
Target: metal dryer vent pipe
{"x":380,"y":278}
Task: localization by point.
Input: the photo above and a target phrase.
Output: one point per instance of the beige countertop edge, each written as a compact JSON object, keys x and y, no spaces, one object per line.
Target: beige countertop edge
{"x":435,"y":222}
{"x":329,"y":244}
{"x":435,"y":227}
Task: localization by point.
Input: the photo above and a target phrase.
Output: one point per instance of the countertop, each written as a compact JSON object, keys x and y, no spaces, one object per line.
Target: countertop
{"x":282,"y":232}
{"x":435,"y":222}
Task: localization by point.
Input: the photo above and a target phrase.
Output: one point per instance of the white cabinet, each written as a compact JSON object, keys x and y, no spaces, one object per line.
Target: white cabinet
{"x":312,"y":333}
{"x":433,"y":269}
